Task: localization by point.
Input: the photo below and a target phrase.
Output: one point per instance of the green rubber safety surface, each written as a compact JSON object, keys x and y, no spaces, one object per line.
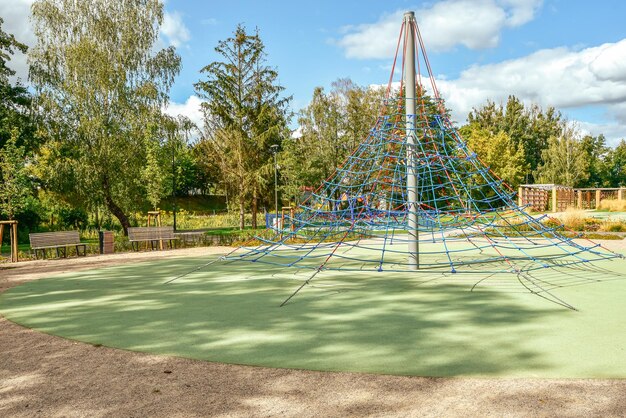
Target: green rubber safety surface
{"x":433,"y":324}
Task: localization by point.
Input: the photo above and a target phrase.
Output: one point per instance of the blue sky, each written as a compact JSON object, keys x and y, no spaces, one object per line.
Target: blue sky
{"x":564,"y":53}
{"x":310,"y":45}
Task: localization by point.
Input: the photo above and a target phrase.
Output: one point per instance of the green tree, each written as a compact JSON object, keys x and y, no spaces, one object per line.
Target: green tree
{"x":331,"y":127}
{"x":14,"y":184}
{"x":596,"y":151}
{"x":99,"y":84}
{"x":152,"y":175}
{"x":18,"y":142}
{"x":564,"y":160}
{"x":528,"y":127}
{"x":15,"y":100}
{"x":185,"y":174}
{"x":245,"y":114}
{"x":498,"y":152}
{"x":615,"y":162}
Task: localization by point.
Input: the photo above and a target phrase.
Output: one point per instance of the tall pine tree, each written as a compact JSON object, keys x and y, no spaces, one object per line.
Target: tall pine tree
{"x":245,"y":114}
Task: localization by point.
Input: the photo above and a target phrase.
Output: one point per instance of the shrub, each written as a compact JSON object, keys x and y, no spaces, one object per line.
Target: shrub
{"x":575,"y":219}
{"x":73,"y":218}
{"x":612,"y":205}
{"x":613,"y":226}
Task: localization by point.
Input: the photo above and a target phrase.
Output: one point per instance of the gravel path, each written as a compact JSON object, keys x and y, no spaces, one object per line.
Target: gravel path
{"x":43,"y":375}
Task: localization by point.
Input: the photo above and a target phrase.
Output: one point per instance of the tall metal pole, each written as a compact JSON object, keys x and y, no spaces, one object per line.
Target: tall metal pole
{"x":411,"y":158}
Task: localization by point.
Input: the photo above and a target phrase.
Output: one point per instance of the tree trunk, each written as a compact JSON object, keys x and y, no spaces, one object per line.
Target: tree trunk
{"x":242,"y":213}
{"x":113,"y":207}
{"x":98,"y":218}
{"x":255,"y":200}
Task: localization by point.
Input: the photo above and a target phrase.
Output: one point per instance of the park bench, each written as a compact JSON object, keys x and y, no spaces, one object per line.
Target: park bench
{"x":152,"y":235}
{"x":59,"y":241}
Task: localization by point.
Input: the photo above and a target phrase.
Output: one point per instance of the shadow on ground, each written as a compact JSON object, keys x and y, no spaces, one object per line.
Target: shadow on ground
{"x":445,"y":325}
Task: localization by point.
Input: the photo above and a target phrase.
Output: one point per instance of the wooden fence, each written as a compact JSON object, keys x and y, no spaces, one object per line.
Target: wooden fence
{"x":557,"y":198}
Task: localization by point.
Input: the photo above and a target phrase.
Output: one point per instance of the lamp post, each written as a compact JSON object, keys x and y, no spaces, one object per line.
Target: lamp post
{"x":274,"y":150}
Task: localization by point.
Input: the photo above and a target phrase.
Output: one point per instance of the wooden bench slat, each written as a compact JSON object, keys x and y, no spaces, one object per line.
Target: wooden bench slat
{"x":151,"y":233}
{"x":42,"y":241}
{"x":54,"y":239}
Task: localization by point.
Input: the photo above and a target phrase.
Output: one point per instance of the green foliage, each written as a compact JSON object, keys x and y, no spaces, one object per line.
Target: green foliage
{"x":14,"y":99}
{"x":554,"y":151}
{"x":528,"y":127}
{"x":14,"y":184}
{"x":564,"y":161}
{"x":152,"y":173}
{"x":200,"y":204}
{"x":615,"y":162}
{"x":185,"y":174}
{"x":332,"y":126}
{"x":99,"y":84}
{"x":245,"y":114}
{"x":73,"y":218}
{"x":595,"y":151}
{"x":498,"y":152}
{"x":17,"y":140}
{"x":8,"y":45}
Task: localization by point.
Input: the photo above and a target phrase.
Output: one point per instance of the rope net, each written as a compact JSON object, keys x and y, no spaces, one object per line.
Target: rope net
{"x":467,"y":217}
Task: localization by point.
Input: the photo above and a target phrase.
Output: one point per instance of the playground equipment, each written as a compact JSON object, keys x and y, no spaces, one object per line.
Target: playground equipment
{"x":414,"y":198}
{"x":12,"y":225}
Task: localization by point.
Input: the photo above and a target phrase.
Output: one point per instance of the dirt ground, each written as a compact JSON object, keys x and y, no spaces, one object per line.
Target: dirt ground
{"x":43,"y":375}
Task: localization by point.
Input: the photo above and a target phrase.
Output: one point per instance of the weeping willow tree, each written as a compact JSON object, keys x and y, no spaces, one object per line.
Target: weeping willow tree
{"x":100,"y":82}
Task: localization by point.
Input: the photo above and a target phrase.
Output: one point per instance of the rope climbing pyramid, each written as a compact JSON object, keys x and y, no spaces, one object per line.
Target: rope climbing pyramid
{"x":413,"y":198}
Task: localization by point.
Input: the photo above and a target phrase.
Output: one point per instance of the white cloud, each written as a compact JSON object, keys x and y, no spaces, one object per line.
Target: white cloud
{"x":297,"y":133}
{"x":475,"y":24}
{"x":520,"y":12}
{"x":191,"y":108}
{"x":609,"y":64}
{"x":558,"y":77}
{"x":16,"y":15}
{"x":618,"y":111}
{"x":613,"y":132}
{"x":174,"y":29}
{"x":565,"y":78}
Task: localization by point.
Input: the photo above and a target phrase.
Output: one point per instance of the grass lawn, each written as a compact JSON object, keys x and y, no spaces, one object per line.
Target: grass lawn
{"x":234,"y":230}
